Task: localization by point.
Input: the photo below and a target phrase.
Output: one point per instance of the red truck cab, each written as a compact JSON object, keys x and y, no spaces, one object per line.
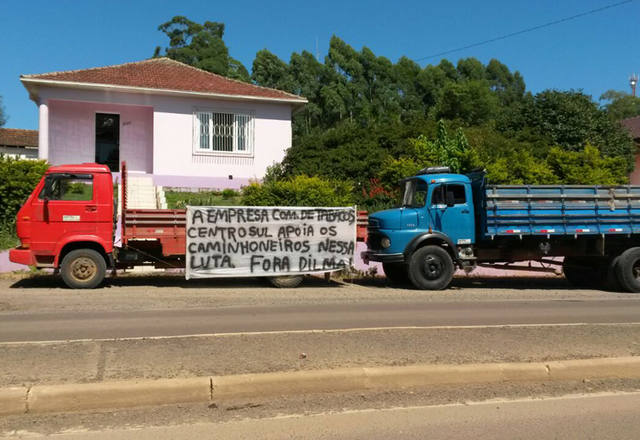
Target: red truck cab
{"x":67,"y":221}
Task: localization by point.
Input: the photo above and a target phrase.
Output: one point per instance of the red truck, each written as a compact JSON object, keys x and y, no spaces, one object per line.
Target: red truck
{"x":69,"y":223}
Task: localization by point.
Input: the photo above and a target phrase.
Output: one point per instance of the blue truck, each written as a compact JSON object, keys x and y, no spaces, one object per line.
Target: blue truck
{"x":450,"y":221}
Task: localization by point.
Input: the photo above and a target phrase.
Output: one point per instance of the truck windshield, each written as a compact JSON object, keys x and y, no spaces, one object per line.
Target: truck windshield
{"x":415,"y":193}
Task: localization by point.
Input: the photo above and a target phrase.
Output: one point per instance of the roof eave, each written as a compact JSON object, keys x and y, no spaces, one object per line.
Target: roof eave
{"x":31,"y":85}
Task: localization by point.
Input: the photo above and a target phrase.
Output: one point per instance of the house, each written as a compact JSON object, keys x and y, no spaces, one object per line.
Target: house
{"x":182,"y":126}
{"x":633,"y":125}
{"x":21,"y":144}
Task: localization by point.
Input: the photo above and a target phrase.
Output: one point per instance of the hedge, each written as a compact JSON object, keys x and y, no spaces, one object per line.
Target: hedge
{"x":298,"y":191}
{"x":18,"y":177}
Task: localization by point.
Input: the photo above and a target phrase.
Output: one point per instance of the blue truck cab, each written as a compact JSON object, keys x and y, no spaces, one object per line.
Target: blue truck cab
{"x":438,"y":211}
{"x":448,"y":221}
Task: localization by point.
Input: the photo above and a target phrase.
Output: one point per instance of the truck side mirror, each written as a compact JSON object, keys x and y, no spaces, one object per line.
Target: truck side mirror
{"x":449,"y":200}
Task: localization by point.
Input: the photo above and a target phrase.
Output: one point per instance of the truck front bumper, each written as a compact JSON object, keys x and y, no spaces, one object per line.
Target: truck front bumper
{"x":22,"y":256}
{"x":368,"y":256}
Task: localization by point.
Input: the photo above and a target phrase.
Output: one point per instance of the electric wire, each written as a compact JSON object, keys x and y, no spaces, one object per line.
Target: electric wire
{"x":526,"y":30}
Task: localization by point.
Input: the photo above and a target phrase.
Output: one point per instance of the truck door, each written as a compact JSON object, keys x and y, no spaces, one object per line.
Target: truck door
{"x":66,"y":205}
{"x":454,"y":219}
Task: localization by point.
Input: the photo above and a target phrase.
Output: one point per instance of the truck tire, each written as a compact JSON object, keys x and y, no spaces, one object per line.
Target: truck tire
{"x":83,"y":269}
{"x":611,"y":282}
{"x":584,"y":272}
{"x":396,"y":273}
{"x":288,"y":281}
{"x":628,"y":269}
{"x":430,"y":268}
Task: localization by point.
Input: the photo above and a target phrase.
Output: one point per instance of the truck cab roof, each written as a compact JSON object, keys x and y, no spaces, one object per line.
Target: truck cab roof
{"x":442,"y":178}
{"x":79,"y":168}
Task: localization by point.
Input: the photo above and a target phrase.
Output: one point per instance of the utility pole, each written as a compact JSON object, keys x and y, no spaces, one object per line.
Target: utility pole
{"x":633,"y":81}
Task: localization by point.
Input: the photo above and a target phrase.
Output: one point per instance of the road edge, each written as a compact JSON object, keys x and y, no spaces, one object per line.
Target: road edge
{"x":38,"y":399}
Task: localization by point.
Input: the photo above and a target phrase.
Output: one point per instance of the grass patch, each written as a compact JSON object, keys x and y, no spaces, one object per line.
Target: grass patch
{"x":180,"y":199}
{"x":8,"y":237}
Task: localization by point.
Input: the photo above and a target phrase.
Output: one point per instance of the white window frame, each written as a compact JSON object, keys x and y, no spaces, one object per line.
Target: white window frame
{"x":237,"y":117}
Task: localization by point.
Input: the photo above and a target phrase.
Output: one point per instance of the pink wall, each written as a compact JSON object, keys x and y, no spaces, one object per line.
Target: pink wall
{"x":164,"y":127}
{"x":72,"y":133}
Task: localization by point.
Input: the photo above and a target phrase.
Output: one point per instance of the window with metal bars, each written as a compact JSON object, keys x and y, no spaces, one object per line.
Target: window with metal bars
{"x":223,"y":133}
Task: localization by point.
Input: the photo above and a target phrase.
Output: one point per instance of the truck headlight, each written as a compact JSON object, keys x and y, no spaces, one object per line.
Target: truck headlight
{"x":385,"y":242}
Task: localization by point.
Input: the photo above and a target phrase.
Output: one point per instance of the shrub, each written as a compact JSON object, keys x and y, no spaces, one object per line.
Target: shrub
{"x":298,"y":191}
{"x":8,"y":238}
{"x":228,"y":193}
{"x":18,"y":177}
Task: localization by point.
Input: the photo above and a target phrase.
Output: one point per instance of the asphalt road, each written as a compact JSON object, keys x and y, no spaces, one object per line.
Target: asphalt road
{"x":31,"y":311}
{"x":146,"y":323}
{"x":610,"y":416}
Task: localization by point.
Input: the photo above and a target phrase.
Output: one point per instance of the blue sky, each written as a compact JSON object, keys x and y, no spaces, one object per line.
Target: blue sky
{"x":594,"y":53}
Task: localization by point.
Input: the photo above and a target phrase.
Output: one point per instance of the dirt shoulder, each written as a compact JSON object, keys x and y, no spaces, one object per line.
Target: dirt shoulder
{"x":46,"y":293}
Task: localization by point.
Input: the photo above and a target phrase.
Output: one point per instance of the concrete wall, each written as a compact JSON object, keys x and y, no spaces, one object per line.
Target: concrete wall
{"x":157,"y":134}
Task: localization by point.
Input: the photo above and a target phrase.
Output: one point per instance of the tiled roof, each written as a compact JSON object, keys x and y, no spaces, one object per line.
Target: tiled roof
{"x":633,"y":124}
{"x":165,"y":74}
{"x":15,"y":137}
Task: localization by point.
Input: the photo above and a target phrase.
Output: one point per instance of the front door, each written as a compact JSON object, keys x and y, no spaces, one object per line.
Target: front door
{"x":455,"y":220}
{"x":108,"y":140}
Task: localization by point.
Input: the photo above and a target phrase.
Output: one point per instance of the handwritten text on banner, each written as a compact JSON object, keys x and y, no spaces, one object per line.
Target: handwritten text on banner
{"x":268,"y":241}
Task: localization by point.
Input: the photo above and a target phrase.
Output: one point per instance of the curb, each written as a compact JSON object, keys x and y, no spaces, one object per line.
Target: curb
{"x":130,"y":393}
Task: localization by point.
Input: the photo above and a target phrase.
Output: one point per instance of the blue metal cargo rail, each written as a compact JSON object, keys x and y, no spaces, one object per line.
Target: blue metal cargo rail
{"x":517,"y":210}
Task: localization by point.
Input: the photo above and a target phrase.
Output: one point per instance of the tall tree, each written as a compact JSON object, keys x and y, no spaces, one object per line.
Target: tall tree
{"x":620,"y":105}
{"x":3,"y":117}
{"x":570,"y":119}
{"x":270,"y":71}
{"x":200,"y":45}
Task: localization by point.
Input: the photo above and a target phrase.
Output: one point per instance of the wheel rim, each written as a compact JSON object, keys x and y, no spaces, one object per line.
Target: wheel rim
{"x":83,"y":269}
{"x":635,"y":269}
{"x":432,"y":267}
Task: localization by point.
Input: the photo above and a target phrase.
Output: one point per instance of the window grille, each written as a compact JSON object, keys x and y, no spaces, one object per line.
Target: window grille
{"x":224,"y":133}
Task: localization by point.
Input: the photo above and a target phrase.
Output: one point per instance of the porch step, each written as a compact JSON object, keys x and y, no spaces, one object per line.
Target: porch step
{"x":142,"y":194}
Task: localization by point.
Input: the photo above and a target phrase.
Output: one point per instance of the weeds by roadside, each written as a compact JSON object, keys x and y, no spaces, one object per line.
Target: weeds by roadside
{"x":8,"y":237}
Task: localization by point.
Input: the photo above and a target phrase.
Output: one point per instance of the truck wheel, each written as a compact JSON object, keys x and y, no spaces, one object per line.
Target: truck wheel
{"x":430,"y":268}
{"x":584,"y":272}
{"x":628,"y":269}
{"x":83,"y":269}
{"x":396,"y":273}
{"x":610,"y":281}
{"x":289,"y":281}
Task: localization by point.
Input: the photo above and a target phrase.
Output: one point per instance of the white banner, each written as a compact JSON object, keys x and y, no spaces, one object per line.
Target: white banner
{"x":245,"y":241}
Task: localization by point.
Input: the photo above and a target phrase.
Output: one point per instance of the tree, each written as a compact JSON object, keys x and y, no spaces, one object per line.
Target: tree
{"x":270,"y":71}
{"x":571,"y":120}
{"x":620,"y":105}
{"x":3,"y":117}
{"x":471,"y":102}
{"x":445,"y":150}
{"x":201,"y":46}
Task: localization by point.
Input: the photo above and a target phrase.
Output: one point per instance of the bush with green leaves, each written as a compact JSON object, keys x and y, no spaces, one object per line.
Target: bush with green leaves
{"x":444,"y":150}
{"x":18,"y":178}
{"x":300,"y":190}
{"x":228,"y":193}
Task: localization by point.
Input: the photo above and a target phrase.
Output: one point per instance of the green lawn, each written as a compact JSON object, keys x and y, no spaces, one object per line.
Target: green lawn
{"x":179,"y":199}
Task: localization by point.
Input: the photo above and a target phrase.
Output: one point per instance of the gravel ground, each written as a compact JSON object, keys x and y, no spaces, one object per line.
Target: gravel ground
{"x":46,"y":294}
